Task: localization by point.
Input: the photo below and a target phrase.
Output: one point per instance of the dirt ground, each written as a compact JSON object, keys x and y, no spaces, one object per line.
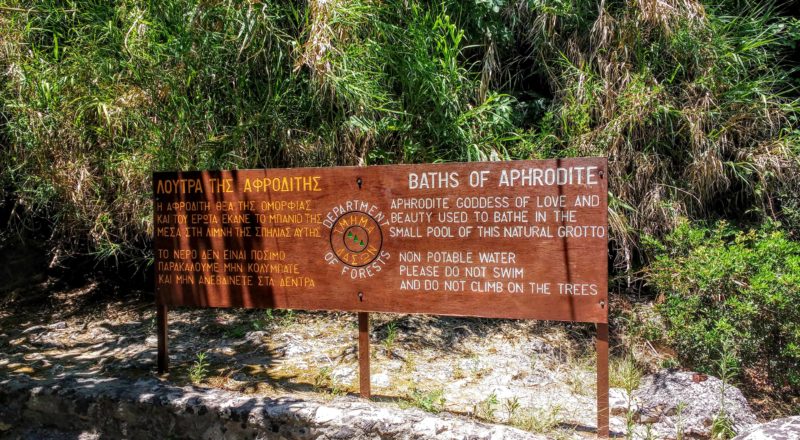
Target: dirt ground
{"x":529,"y":374}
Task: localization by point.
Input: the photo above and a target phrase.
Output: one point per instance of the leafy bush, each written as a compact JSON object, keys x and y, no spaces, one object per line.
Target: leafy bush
{"x":731,"y":290}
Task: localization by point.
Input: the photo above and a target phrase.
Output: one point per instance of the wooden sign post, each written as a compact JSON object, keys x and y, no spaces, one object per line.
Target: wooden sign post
{"x":519,"y":239}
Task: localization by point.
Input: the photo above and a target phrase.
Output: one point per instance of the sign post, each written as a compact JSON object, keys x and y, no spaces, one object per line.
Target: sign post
{"x":363,"y":355}
{"x":602,"y":381}
{"x":517,"y":239}
{"x":161,"y":324}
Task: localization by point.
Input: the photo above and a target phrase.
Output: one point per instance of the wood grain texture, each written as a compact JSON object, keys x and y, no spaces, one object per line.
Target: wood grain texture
{"x":365,"y":385}
{"x":162,"y":313}
{"x":355,"y":233}
{"x":602,"y":381}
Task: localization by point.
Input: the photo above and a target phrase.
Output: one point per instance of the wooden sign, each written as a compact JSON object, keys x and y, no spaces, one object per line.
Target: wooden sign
{"x":522,"y":239}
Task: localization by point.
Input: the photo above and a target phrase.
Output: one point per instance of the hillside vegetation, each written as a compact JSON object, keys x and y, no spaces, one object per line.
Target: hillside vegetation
{"x":695,"y":104}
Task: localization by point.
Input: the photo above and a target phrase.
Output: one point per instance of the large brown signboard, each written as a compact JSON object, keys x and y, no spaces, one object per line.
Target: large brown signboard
{"x":520,"y":239}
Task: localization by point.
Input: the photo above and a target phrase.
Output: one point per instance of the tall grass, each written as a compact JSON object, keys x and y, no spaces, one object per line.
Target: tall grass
{"x":690,"y":101}
{"x":99,"y":94}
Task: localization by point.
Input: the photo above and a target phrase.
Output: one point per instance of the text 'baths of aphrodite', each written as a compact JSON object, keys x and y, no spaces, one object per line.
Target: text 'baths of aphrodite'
{"x":514,"y":177}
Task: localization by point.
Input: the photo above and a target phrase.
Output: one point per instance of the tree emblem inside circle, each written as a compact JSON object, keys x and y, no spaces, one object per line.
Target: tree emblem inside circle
{"x":356,"y":238}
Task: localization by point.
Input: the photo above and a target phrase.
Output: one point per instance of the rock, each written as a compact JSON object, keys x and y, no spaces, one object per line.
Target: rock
{"x":240,"y":377}
{"x":297,"y":350}
{"x":151,"y":409}
{"x":675,"y":400}
{"x":226,"y":351}
{"x":58,"y":325}
{"x":380,"y":380}
{"x":35,"y":328}
{"x":343,"y":374}
{"x":17,"y":342}
{"x":255,"y":337}
{"x":50,"y":434}
{"x":620,"y":402}
{"x":781,"y":429}
{"x":34,"y":357}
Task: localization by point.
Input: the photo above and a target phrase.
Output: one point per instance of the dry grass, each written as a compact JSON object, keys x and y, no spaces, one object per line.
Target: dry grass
{"x":688,"y":104}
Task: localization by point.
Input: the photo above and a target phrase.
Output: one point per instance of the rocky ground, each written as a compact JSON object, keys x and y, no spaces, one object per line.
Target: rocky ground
{"x":534,"y":376}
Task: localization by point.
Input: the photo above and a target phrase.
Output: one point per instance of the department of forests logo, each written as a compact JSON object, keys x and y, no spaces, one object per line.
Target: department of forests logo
{"x":356,"y":239}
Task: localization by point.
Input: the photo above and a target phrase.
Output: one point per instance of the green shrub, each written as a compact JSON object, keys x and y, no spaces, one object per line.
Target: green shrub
{"x":740,"y":288}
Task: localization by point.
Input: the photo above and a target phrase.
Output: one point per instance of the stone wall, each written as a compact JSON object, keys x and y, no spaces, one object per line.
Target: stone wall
{"x":150,"y":409}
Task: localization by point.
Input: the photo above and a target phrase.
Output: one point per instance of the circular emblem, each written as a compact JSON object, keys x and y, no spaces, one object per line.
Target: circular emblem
{"x":356,"y":238}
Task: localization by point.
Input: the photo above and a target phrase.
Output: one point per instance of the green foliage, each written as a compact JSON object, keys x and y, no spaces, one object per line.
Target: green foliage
{"x":731,"y":298}
{"x":274,"y":317}
{"x":722,"y":427}
{"x":323,"y":378}
{"x":689,"y":101}
{"x":431,"y":401}
{"x":100,"y":94}
{"x":679,"y":428}
{"x":511,"y":406}
{"x":97,"y":95}
{"x":625,"y":374}
{"x":637,"y":324}
{"x":198,"y":371}
{"x":541,"y":420}
{"x":389,"y":339}
{"x":486,"y":408}
{"x":235,"y":331}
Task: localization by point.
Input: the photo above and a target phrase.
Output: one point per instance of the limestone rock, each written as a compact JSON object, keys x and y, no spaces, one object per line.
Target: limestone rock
{"x":675,"y":401}
{"x":255,"y":337}
{"x":151,"y":409}
{"x":620,"y":402}
{"x":781,"y":429}
{"x":48,"y":434}
{"x":344,"y":374}
{"x":380,"y":380}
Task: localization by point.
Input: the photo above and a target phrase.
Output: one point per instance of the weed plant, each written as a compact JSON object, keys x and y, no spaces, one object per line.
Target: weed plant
{"x":389,"y":340}
{"x":431,"y":401}
{"x":198,"y":371}
{"x":541,"y":420}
